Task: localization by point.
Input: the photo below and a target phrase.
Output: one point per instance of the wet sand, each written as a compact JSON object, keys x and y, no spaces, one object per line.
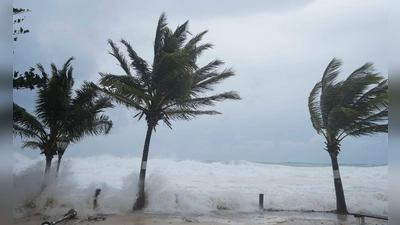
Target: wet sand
{"x":138,"y":218}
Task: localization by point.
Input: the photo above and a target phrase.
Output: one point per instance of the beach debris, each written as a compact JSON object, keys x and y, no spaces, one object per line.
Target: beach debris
{"x":94,"y":218}
{"x":186,"y":219}
{"x":96,"y":194}
{"x":176,"y":199}
{"x":69,"y":215}
{"x":222,"y":207}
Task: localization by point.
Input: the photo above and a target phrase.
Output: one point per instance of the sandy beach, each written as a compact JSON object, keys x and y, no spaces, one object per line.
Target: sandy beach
{"x":138,"y":218}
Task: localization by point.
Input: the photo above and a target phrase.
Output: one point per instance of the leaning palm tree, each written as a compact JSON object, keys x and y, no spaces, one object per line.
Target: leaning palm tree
{"x":354,"y":107}
{"x":172,"y":88}
{"x":59,"y":112}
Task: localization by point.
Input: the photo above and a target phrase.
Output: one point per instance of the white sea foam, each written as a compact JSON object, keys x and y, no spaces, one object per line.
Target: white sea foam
{"x":193,"y":187}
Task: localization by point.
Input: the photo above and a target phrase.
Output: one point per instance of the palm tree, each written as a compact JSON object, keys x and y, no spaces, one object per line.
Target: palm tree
{"x":354,"y":107}
{"x":171,"y":89}
{"x":59,"y":112}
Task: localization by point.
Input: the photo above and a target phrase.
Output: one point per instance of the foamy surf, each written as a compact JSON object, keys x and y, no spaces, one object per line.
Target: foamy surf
{"x":192,"y":187}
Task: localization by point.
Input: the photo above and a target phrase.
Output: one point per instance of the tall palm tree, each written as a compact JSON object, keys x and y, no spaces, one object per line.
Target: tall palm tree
{"x":172,"y":88}
{"x":354,"y":107}
{"x":60,"y":112}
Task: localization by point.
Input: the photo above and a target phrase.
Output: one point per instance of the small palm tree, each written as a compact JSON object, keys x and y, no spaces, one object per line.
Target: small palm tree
{"x":355,"y":107}
{"x":171,"y":89}
{"x":60,"y":112}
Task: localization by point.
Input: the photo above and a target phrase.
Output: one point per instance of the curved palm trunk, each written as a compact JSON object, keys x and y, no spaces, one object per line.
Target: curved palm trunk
{"x":341,"y":207}
{"x":58,"y":164}
{"x":49,"y":158}
{"x":140,"y":198}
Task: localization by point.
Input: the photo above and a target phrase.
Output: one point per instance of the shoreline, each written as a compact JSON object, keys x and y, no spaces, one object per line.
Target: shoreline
{"x":220,"y":218}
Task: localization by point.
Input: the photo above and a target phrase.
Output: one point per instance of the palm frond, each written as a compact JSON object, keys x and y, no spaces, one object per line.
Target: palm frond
{"x":59,"y":112}
{"x":203,"y":84}
{"x":196,"y":103}
{"x":55,"y":95}
{"x":139,"y":64}
{"x":368,"y":129}
{"x":355,"y":106}
{"x":116,"y":95}
{"x":170,"y":63}
{"x":173,"y":86}
{"x":119,"y":56}
{"x":315,"y":108}
{"x":358,"y":83}
{"x":25,"y":124}
{"x":329,"y":99}
{"x":330,"y":74}
{"x":159,"y":38}
{"x":32,"y":145}
{"x":193,"y":42}
{"x":180,"y":35}
{"x":379,"y":91}
{"x":203,"y":72}
{"x":188,"y":114}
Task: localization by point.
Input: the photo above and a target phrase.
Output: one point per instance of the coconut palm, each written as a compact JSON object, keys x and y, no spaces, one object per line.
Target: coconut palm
{"x":59,"y":112}
{"x":354,"y":107}
{"x":172,"y":88}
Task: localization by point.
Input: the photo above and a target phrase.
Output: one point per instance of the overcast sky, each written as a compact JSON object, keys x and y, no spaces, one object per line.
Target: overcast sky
{"x":278,"y":50}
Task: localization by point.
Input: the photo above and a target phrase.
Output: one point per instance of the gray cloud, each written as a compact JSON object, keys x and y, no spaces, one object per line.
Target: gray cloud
{"x":278,"y":49}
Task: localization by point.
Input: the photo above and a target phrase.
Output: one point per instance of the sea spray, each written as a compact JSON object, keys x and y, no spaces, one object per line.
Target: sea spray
{"x":193,"y":187}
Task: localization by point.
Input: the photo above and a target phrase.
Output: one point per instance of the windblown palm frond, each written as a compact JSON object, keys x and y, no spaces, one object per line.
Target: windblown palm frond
{"x":58,"y":111}
{"x":354,"y":107}
{"x":206,"y":82}
{"x":175,"y":84}
{"x":330,"y":74}
{"x":33,"y":145}
{"x":314,"y":109}
{"x":54,"y":97}
{"x":124,"y":90}
{"x":25,"y":124}
{"x":138,"y":64}
{"x":83,"y":116}
{"x":159,"y":39}
{"x":120,"y":57}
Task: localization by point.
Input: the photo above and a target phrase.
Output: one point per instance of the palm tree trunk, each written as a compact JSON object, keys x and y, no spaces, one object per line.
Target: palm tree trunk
{"x":140,"y":198}
{"x":58,"y":164}
{"x":47,"y":171}
{"x":341,"y":207}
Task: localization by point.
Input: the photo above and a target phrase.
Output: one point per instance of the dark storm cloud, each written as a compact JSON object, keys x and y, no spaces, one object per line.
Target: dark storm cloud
{"x":278,"y":49}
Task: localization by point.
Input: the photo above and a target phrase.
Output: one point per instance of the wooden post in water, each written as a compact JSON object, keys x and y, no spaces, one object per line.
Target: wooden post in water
{"x":96,"y":194}
{"x":261,"y":202}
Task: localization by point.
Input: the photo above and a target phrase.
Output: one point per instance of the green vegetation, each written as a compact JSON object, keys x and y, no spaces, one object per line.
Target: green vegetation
{"x":17,"y":11}
{"x":173,"y":87}
{"x":28,"y":79}
{"x":355,"y":107}
{"x":59,"y":112}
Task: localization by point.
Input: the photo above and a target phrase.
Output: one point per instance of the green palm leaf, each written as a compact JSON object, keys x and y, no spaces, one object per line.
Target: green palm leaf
{"x":354,"y":107}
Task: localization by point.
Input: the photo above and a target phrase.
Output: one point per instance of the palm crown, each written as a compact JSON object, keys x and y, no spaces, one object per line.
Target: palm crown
{"x":356,"y":106}
{"x":173,"y":87}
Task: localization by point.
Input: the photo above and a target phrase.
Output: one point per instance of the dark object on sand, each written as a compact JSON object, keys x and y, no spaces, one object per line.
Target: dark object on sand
{"x":96,"y":194}
{"x":95,"y":218}
{"x":186,"y":219}
{"x":69,"y":215}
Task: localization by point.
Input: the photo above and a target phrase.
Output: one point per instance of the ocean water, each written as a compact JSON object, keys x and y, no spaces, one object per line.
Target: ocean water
{"x":193,"y":187}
